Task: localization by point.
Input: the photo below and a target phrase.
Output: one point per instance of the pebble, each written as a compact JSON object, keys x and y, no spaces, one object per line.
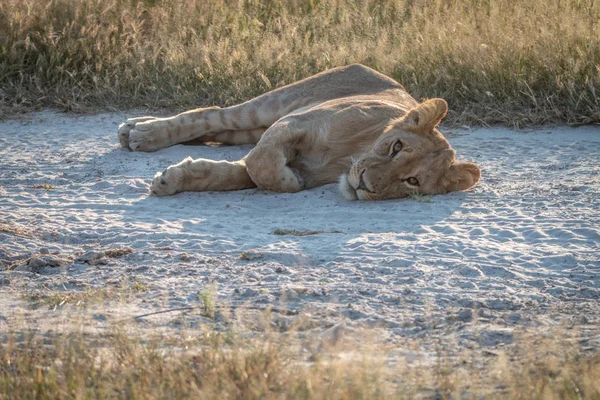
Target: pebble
{"x":253,"y":277}
{"x":53,"y":261}
{"x":293,"y":292}
{"x":484,"y":313}
{"x":21,"y":268}
{"x":90,"y":256}
{"x":44,"y":250}
{"x":288,"y":294}
{"x":99,"y":317}
{"x":465,"y":315}
{"x":36,"y":263}
{"x":514,"y":316}
{"x":250,"y":292}
{"x":299,"y":289}
{"x":498,"y":304}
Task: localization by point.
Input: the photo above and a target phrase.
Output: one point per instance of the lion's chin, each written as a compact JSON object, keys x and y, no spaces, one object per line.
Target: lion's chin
{"x":347,"y":190}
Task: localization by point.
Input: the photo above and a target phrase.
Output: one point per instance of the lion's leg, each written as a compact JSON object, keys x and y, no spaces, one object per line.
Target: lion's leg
{"x":201,"y":175}
{"x":261,"y":112}
{"x":151,"y":134}
{"x":237,"y":124}
{"x":251,"y":136}
{"x":267,"y":167}
{"x":267,"y":163}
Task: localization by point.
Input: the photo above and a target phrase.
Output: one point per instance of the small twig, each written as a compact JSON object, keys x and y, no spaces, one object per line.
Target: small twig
{"x":273,"y":309}
{"x":232,"y":308}
{"x":294,"y":232}
{"x":165,"y":311}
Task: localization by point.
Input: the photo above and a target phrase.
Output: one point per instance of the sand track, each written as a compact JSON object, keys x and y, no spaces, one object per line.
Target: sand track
{"x":520,"y":250}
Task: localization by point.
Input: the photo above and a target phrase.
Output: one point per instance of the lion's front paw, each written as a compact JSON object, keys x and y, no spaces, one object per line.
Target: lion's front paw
{"x":168,"y":182}
{"x":126,"y":127}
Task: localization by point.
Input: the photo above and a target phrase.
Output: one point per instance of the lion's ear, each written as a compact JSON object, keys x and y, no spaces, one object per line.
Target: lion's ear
{"x":426,"y":116}
{"x":461,"y":176}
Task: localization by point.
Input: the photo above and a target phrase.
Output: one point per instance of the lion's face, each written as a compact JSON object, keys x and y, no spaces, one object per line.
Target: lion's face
{"x":410,"y":157}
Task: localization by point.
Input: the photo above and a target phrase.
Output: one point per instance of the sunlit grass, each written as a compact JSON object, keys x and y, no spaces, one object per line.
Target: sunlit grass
{"x":503,"y":61}
{"x":205,"y":364}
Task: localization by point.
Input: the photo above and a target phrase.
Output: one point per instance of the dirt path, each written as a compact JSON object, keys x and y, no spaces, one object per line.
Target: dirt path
{"x":521,"y":250}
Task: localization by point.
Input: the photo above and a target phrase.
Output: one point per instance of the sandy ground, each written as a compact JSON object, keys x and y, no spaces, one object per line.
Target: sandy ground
{"x":518,"y":252}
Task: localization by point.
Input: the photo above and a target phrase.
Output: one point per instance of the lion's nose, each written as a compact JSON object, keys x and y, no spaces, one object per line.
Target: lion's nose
{"x":361,"y":183}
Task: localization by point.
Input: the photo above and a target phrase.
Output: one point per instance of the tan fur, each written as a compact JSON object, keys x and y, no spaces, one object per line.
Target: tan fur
{"x":350,"y":124}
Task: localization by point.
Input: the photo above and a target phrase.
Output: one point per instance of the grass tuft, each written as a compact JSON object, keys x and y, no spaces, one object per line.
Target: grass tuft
{"x":209,"y":301}
{"x":118,"y":252}
{"x":17,"y":230}
{"x":54,"y":299}
{"x":45,"y":186}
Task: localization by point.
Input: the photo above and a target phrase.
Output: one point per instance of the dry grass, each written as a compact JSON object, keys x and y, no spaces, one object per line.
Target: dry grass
{"x":17,"y":230}
{"x":54,"y":299}
{"x":45,"y":186}
{"x":204,"y":364}
{"x":503,"y":61}
{"x":118,"y":252}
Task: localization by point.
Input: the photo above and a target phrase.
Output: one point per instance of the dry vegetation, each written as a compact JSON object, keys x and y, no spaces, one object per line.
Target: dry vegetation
{"x":17,"y":230}
{"x":53,"y":299}
{"x":203,"y":364}
{"x":506,"y":61}
{"x":118,"y":252}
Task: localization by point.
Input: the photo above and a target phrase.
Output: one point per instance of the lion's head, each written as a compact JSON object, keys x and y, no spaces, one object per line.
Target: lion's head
{"x":410,"y":157}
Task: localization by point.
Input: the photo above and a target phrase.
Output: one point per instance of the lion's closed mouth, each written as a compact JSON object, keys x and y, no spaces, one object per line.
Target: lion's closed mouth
{"x":361,"y":183}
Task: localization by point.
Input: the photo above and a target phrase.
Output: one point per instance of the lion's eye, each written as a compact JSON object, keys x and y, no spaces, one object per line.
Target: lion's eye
{"x":413,"y":181}
{"x":396,"y":147}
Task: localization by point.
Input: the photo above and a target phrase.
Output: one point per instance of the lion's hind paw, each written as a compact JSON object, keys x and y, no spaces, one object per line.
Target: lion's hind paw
{"x":126,"y":127}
